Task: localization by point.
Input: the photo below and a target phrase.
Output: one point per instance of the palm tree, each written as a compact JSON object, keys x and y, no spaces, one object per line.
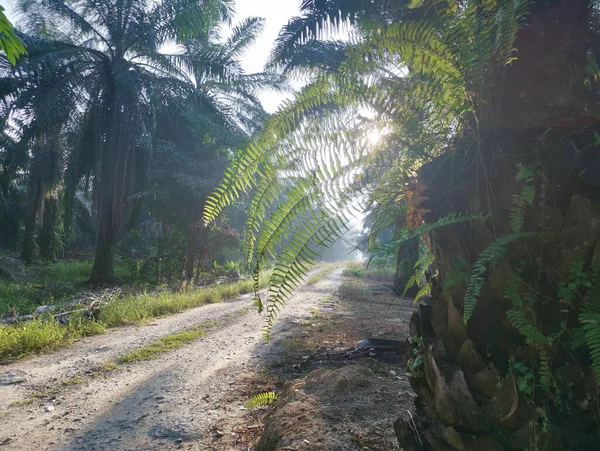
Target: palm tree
{"x":194,"y":139}
{"x":99,"y":69}
{"x":467,"y":132}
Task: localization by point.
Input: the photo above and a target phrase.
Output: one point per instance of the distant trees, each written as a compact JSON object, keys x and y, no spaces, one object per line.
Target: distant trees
{"x":109,"y":91}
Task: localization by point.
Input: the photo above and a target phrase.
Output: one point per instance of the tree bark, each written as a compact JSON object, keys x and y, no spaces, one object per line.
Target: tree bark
{"x":544,"y":86}
{"x":190,"y":253}
{"x":29,"y":248}
{"x":47,"y":236}
{"x":103,"y":269}
{"x":468,"y":397}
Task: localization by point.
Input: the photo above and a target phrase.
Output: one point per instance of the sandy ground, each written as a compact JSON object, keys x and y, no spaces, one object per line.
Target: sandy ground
{"x":173,"y":402}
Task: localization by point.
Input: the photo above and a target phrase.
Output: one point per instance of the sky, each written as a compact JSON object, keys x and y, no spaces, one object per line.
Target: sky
{"x":276,"y":14}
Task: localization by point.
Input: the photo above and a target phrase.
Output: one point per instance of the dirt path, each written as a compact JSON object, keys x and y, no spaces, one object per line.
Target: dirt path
{"x":167,"y":403}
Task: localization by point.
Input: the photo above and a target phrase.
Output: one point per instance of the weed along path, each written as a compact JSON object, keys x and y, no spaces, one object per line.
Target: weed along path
{"x":158,"y":386}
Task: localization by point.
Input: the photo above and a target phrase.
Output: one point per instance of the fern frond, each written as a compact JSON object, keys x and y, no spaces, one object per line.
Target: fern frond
{"x":577,"y":337}
{"x":420,"y":267}
{"x":457,"y":275}
{"x":487,"y":261}
{"x":591,"y":329}
{"x":423,"y":291}
{"x":521,"y":200}
{"x":450,"y":219}
{"x":295,"y":260}
{"x":262,"y":399}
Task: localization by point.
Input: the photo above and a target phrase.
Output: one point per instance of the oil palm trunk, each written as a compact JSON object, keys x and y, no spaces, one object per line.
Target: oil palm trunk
{"x":492,"y":383}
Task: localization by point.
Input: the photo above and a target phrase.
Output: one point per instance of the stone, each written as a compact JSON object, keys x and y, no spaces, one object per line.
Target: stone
{"x":12,"y":377}
{"x":159,"y":431}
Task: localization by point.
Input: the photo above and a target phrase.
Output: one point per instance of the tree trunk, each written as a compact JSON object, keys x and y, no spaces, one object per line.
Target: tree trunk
{"x":103,"y":269}
{"x":190,"y":253}
{"x":544,"y":86}
{"x":471,"y":392}
{"x":29,"y":248}
{"x":47,"y":236}
{"x":110,"y":192}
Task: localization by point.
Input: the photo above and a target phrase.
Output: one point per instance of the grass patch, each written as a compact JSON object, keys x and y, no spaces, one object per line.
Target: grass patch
{"x":42,"y":334}
{"x":75,"y":380}
{"x":23,"y":403}
{"x":108,"y":367}
{"x":138,"y":309}
{"x":385,"y":272}
{"x":168,"y":343}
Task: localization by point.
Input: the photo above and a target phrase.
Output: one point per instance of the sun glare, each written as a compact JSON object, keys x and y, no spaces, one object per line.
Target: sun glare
{"x":374,"y":136}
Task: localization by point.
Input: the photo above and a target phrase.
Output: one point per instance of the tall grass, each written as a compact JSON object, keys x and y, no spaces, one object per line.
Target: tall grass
{"x":379,"y":272}
{"x":136,"y":309}
{"x":43,"y":334}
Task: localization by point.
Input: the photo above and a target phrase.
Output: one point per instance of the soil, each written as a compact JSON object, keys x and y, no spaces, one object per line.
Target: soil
{"x":193,"y":397}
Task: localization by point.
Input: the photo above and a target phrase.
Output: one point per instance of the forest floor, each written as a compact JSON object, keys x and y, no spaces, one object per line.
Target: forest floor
{"x":85,"y":397}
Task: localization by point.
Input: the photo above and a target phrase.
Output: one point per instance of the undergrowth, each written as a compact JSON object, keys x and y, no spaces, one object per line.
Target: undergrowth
{"x":370,"y":272}
{"x":42,"y":334}
{"x":48,"y":283}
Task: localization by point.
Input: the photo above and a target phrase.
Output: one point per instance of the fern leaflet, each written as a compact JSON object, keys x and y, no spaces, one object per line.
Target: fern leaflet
{"x":262,"y":399}
{"x":489,"y":258}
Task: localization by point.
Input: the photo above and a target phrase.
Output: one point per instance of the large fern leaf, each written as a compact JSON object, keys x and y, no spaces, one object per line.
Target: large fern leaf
{"x":488,"y":259}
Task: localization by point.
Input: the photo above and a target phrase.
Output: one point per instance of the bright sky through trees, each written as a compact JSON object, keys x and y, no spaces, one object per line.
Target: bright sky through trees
{"x":276,"y":14}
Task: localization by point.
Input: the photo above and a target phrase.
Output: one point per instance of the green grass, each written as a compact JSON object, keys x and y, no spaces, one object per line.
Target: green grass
{"x":47,"y":283}
{"x":372,"y":272}
{"x":167,"y":343}
{"x":42,"y":335}
{"x":138,"y":309}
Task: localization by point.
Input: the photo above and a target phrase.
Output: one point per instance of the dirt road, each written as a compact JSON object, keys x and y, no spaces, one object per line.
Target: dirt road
{"x":167,"y":403}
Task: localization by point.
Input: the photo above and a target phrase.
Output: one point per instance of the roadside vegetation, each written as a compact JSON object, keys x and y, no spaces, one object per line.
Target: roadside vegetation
{"x":44,"y":333}
{"x":382,"y":269}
